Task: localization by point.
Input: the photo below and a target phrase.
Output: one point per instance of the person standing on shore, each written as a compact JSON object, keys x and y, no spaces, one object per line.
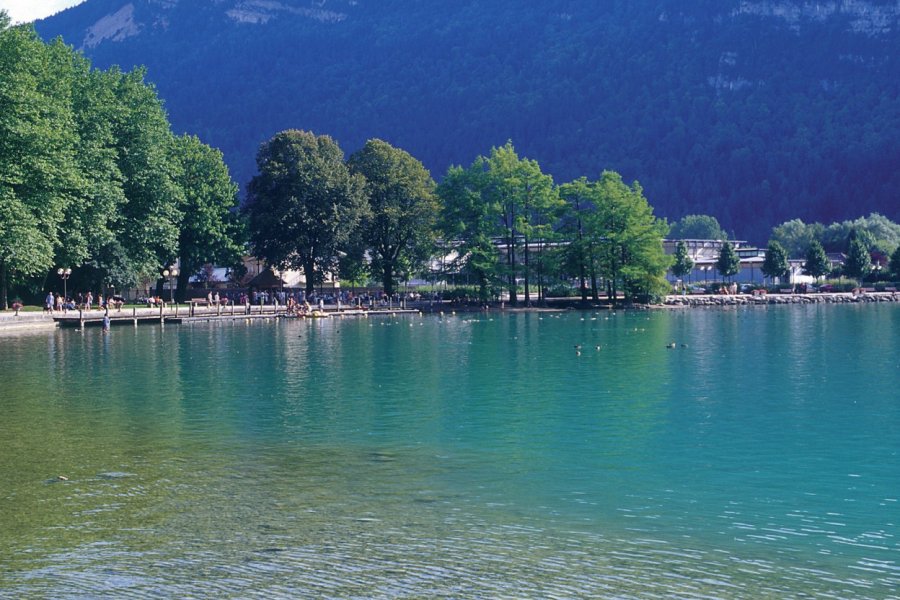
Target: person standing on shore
{"x":48,"y":302}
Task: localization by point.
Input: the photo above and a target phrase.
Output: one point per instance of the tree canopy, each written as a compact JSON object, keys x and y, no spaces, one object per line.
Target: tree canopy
{"x":728,"y":263}
{"x":304,"y":204}
{"x":682,"y":264}
{"x":817,"y":263}
{"x":399,"y":226}
{"x":776,"y":261}
{"x":89,"y":172}
{"x":698,"y":227}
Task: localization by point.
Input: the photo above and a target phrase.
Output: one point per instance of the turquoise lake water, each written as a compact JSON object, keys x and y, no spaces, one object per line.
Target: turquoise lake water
{"x":464,"y":456}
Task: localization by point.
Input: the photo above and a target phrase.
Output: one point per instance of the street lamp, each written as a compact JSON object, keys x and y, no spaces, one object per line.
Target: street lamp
{"x":64,"y":274}
{"x":170,"y":274}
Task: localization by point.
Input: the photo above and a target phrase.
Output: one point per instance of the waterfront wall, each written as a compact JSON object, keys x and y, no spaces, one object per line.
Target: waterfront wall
{"x":766,"y":299}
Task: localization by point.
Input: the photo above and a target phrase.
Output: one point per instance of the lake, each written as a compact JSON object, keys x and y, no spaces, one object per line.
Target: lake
{"x":541,"y":455}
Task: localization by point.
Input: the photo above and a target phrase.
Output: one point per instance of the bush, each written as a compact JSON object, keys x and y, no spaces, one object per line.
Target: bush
{"x":561,"y":290}
{"x":837,"y":285}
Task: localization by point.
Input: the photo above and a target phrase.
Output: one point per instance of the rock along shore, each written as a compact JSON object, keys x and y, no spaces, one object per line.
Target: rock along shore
{"x":769,"y":299}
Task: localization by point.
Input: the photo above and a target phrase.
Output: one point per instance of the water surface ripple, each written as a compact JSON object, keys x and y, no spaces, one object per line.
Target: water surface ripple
{"x":465,"y":456}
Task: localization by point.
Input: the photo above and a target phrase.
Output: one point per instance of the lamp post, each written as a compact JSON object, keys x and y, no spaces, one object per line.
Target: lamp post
{"x":170,"y":274}
{"x":64,"y":274}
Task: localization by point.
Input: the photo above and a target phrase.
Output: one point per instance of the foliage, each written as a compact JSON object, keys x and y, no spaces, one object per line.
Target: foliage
{"x":91,"y":177}
{"x":698,"y":227}
{"x":561,"y":290}
{"x":629,"y":240}
{"x":683,"y":263}
{"x":37,"y":153}
{"x":795,"y":236}
{"x":304,"y":204}
{"x":471,"y":220}
{"x":526,"y":200}
{"x":817,"y":263}
{"x":209,"y":231}
{"x":859,"y":262}
{"x":776,"y":261}
{"x":894,"y":265}
{"x":718,"y":110}
{"x":398,"y":229}
{"x":728,"y":263}
{"x":877,"y":232}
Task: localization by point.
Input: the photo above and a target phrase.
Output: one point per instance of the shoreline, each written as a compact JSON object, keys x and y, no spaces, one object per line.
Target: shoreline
{"x":711,"y":300}
{"x":35,"y":321}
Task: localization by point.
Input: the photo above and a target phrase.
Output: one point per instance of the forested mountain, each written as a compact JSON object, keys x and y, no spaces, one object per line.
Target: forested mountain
{"x":754,"y":111}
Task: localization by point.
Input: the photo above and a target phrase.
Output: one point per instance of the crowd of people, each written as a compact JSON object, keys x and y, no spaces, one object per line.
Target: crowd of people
{"x":84,"y":301}
{"x":296,"y":300}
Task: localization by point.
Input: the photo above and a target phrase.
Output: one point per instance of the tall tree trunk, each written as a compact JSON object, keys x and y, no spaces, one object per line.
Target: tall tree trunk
{"x":309,"y":270}
{"x":3,"y":285}
{"x":540,"y":272}
{"x":527,"y":269}
{"x":511,"y":257}
{"x":581,"y":269}
{"x":387,"y":278}
{"x":183,"y":280}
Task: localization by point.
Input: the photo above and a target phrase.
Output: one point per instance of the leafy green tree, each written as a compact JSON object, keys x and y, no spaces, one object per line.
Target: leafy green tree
{"x":894,"y":265}
{"x":795,"y":236}
{"x":877,"y":231}
{"x":579,"y":195}
{"x":525,"y":197}
{"x":683,"y":263}
{"x":304,"y":204}
{"x":776,"y":261}
{"x":469,"y":221}
{"x":817,"y":263}
{"x":698,"y":227}
{"x":89,"y":229}
{"x":629,"y":240}
{"x":403,"y":209}
{"x":210,"y":231}
{"x":859,"y":262}
{"x":37,"y":152}
{"x":728,"y":263}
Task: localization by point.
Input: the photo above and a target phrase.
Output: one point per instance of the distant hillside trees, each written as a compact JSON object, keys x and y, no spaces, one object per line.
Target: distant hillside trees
{"x":716,"y":110}
{"x":876,"y":231}
{"x":698,"y":227}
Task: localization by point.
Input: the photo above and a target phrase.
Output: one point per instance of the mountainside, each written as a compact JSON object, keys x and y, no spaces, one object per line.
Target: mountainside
{"x":753,"y":111}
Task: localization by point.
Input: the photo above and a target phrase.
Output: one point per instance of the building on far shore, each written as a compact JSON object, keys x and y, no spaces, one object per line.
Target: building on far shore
{"x":705,"y":254}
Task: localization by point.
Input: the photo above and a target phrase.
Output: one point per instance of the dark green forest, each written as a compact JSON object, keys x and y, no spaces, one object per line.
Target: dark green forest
{"x":719,"y":108}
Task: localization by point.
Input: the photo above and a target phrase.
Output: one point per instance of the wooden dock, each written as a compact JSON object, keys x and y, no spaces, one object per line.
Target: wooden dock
{"x":176,"y":314}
